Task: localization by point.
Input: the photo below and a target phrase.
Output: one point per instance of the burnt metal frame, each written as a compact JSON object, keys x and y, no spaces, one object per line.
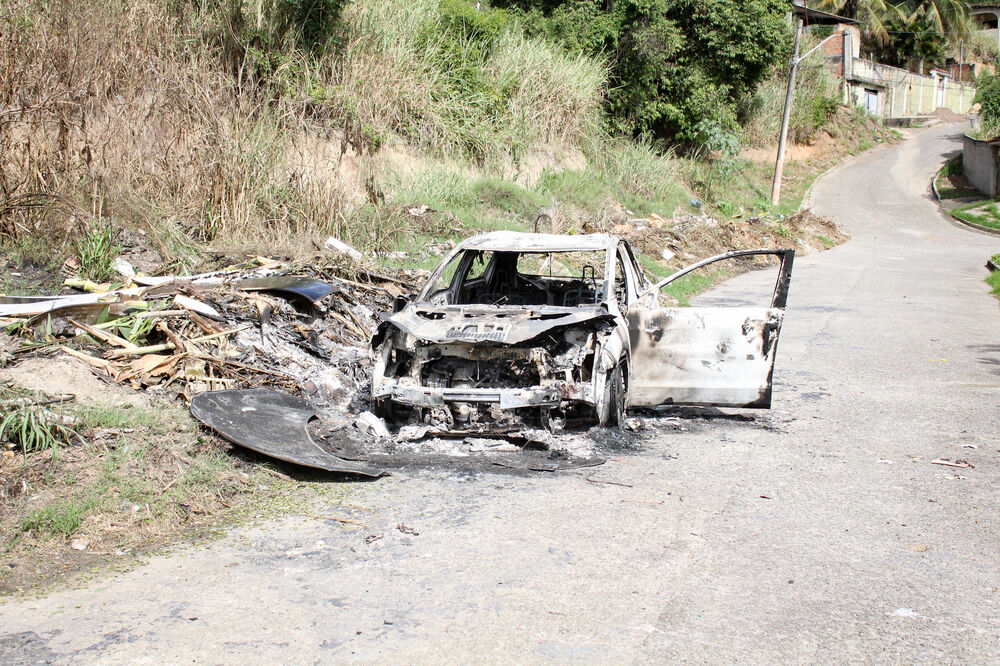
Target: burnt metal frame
{"x":780,"y":296}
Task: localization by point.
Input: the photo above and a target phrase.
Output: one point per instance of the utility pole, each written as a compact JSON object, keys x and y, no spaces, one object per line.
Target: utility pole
{"x":961,"y":84}
{"x":779,"y":164}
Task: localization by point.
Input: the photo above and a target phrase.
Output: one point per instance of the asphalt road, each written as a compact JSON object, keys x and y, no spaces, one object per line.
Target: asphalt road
{"x":819,"y":531}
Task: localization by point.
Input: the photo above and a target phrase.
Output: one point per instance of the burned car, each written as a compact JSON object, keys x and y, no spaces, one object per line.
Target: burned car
{"x":517,"y":330}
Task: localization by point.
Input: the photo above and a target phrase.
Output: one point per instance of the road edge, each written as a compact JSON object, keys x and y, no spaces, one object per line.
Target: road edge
{"x":951,"y":218}
{"x":807,"y":203}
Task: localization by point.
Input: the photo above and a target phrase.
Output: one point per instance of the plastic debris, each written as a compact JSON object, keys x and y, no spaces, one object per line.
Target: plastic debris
{"x":372,"y":425}
{"x":337,"y":245}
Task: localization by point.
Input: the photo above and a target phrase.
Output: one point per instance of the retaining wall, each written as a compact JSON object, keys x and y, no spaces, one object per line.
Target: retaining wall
{"x":979,"y":164}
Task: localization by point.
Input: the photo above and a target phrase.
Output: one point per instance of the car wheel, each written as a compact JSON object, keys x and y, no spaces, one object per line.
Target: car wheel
{"x":612,"y":410}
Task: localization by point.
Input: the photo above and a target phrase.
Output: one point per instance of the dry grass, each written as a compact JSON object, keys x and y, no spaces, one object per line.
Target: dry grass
{"x":163,"y":117}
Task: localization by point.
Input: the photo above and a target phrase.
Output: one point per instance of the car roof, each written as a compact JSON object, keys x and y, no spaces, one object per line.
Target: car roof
{"x":516,"y":241}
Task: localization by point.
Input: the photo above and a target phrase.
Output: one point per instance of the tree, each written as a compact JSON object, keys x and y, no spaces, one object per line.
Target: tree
{"x":900,"y":32}
{"x":679,"y":68}
{"x":916,"y":39}
{"x":874,"y":15}
{"x":950,"y":18}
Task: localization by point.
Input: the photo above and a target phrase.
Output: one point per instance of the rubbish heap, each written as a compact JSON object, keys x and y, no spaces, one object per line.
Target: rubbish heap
{"x":297,"y":328}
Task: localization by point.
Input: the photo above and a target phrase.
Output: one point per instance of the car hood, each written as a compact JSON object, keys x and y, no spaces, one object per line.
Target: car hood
{"x":488,"y":324}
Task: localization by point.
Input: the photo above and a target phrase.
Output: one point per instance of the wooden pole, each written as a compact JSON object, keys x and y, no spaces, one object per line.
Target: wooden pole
{"x":779,"y":163}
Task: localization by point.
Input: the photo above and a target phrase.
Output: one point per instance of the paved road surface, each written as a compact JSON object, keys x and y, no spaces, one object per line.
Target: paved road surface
{"x":816,"y":532}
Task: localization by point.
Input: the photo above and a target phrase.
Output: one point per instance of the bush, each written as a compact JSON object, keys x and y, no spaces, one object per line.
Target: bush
{"x":673,"y":64}
{"x":988,"y":97}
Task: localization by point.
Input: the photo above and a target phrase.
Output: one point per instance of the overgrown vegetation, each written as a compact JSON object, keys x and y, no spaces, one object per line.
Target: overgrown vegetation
{"x":270,"y":122}
{"x":233,"y":121}
{"x":988,"y":97}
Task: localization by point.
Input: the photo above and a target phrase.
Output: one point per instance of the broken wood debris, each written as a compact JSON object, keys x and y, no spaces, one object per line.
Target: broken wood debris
{"x":263,"y":324}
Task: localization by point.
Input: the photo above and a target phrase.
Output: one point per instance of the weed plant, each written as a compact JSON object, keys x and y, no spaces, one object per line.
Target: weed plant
{"x":97,"y":250}
{"x":32,"y":428}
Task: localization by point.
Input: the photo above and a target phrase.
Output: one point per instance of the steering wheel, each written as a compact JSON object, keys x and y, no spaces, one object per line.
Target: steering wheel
{"x":534,"y":282}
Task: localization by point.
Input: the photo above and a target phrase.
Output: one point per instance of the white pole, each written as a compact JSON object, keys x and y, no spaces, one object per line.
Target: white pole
{"x":779,"y":162}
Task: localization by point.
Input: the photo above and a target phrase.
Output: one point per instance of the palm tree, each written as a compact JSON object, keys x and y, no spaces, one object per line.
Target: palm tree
{"x":950,"y":17}
{"x":874,"y":15}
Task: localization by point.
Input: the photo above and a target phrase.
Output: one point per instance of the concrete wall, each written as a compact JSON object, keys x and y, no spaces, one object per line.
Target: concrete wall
{"x":979,"y":164}
{"x":903,"y":93}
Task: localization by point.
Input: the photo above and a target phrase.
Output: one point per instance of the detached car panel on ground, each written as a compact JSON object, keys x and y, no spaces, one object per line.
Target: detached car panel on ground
{"x":515,"y":330}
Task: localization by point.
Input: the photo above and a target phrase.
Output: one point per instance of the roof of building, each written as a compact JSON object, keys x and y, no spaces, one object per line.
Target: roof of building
{"x":811,"y":16}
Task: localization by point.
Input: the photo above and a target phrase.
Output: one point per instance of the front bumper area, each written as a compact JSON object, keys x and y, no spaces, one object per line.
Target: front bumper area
{"x":555,"y":395}
{"x":503,"y":398}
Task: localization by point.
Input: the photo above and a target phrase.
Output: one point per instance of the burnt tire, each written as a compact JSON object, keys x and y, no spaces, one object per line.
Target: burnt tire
{"x":611,"y":412}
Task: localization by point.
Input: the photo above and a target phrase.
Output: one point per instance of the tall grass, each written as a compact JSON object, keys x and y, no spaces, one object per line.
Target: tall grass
{"x":401,"y":72}
{"x":219,"y":123}
{"x":814,"y":103}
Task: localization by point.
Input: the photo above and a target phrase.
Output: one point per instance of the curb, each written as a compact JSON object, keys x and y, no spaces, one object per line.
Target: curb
{"x":977,"y":227}
{"x":971,"y":225}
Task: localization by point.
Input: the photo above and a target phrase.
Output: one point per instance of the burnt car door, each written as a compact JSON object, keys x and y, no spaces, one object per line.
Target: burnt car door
{"x":721,"y":356}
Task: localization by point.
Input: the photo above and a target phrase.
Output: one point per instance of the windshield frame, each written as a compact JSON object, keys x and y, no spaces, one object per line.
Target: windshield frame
{"x":470,"y":253}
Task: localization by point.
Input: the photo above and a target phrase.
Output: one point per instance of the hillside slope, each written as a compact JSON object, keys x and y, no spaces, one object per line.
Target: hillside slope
{"x":198,"y":130}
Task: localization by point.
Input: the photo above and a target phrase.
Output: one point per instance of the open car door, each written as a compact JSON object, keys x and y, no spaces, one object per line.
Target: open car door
{"x":722,"y":356}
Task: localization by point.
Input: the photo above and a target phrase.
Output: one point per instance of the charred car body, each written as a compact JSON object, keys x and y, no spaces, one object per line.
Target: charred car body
{"x":518,"y":330}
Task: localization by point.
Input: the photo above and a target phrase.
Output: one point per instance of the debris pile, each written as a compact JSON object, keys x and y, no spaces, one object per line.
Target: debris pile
{"x":698,"y":235}
{"x":296,"y":328}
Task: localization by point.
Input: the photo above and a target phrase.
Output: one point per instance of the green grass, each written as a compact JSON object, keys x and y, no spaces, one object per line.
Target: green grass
{"x":985,"y":215}
{"x":125,"y":416}
{"x":61,"y":518}
{"x":632,"y":174}
{"x":956,"y":192}
{"x":952,"y":167}
{"x":827,"y":243}
{"x":994,"y":281}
